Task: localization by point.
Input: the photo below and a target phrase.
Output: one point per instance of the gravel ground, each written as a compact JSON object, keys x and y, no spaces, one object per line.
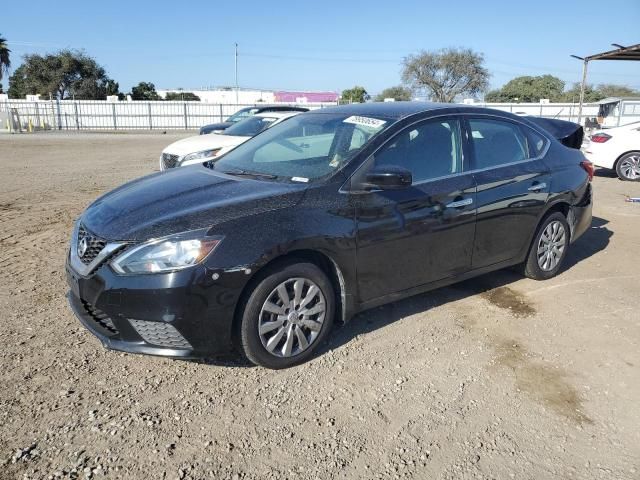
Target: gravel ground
{"x":498,"y":377}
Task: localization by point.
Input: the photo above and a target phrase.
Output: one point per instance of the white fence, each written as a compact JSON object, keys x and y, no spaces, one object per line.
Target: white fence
{"x":137,"y":115}
{"x":169,"y":115}
{"x":562,"y":111}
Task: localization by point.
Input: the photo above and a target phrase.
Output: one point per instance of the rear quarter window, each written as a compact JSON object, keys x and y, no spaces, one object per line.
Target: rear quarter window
{"x":536,"y":142}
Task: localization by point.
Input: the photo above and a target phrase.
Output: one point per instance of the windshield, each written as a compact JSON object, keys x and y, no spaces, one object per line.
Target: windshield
{"x":250,"y":126}
{"x":305,"y":147}
{"x":242,"y":114}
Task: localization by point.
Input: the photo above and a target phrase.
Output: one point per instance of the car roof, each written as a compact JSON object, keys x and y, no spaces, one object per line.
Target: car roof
{"x":276,"y":108}
{"x":276,"y":114}
{"x":387,"y":109}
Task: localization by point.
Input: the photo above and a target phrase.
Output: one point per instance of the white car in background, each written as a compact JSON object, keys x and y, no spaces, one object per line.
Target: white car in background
{"x":617,"y":149}
{"x":201,"y":148}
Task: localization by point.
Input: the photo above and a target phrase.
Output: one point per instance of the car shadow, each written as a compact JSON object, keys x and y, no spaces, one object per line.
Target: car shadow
{"x":594,"y":240}
{"x":231,"y":358}
{"x":605,"y":173}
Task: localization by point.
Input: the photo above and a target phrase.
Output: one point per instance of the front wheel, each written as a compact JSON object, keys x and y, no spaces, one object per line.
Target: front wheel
{"x":549,"y":248}
{"x":628,"y":167}
{"x":287,"y":315}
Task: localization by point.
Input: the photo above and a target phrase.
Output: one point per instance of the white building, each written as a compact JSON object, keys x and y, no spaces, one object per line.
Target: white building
{"x":226,"y":95}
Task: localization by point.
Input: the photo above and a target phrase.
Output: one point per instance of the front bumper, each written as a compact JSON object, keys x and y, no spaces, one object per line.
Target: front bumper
{"x":184,"y":314}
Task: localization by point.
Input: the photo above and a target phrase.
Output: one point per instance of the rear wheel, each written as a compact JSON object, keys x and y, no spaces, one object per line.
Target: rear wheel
{"x":628,"y":167}
{"x":549,"y":248}
{"x":287,"y":316}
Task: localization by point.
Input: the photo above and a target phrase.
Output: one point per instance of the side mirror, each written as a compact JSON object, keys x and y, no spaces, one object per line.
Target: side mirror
{"x":388,"y":177}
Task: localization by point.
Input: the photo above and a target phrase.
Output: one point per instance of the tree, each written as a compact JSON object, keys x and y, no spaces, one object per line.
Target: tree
{"x":185,"y":96}
{"x":356,"y":94}
{"x":18,"y":87}
{"x":528,"y":89}
{"x":611,"y":90}
{"x":112,"y":88}
{"x":65,"y":74}
{"x":5,"y":61}
{"x":144,"y":91}
{"x":591,"y":94}
{"x":398,"y":93}
{"x":447,"y":73}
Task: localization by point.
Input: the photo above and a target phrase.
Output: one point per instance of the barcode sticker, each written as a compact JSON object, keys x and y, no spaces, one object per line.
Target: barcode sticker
{"x":365,"y":121}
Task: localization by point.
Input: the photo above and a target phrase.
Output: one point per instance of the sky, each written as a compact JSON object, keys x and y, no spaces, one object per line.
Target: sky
{"x":329,"y":45}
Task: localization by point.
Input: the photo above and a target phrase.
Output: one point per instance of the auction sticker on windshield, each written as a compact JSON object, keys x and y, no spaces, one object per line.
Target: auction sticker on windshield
{"x":365,"y":121}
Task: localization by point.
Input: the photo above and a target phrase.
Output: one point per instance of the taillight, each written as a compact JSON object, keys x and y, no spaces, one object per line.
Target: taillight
{"x":588,"y":167}
{"x":600,"y":137}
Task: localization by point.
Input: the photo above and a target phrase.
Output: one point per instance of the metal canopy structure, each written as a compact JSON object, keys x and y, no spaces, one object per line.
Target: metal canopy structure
{"x":631,"y":53}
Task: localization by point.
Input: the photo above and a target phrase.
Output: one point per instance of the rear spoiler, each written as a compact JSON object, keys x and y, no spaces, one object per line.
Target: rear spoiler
{"x":568,"y":133}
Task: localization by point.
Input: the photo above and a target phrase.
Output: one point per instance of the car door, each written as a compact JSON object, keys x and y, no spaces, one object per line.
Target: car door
{"x":513,"y":185}
{"x":422,"y":233}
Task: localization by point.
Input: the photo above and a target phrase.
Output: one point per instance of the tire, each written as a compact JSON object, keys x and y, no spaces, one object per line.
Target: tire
{"x":552,"y":240}
{"x":272,"y":332}
{"x":628,"y":167}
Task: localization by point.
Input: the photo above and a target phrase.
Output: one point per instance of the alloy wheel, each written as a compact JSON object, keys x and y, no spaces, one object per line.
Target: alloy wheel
{"x":291,"y":317}
{"x":551,"y":246}
{"x":630,"y":167}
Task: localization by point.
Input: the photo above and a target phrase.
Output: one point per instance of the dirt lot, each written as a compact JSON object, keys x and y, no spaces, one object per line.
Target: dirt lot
{"x":499,"y":377}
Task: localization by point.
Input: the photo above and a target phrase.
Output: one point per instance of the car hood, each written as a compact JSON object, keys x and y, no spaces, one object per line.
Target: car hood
{"x":181,"y":200}
{"x":199,"y":143}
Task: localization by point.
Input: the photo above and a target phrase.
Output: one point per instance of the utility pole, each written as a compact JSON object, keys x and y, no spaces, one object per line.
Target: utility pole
{"x":582,"y":88}
{"x":582,"y":84}
{"x":236,"y":65}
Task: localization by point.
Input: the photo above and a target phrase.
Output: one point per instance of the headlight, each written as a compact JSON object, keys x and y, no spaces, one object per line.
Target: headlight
{"x":201,"y":155}
{"x":166,"y":254}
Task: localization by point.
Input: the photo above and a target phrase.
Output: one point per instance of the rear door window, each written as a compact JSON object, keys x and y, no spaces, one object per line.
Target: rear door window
{"x":497,"y":142}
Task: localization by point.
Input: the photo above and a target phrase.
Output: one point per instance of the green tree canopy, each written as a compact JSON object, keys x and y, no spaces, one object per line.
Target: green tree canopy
{"x":186,"y":96}
{"x":112,"y":87}
{"x":532,"y":89}
{"x":5,"y":60}
{"x":611,"y":90}
{"x":398,"y":93}
{"x":356,"y":94}
{"x":591,"y":94}
{"x":446,"y":74}
{"x":597,"y":93}
{"x":144,"y":91}
{"x":65,"y":74}
{"x":529,"y":89}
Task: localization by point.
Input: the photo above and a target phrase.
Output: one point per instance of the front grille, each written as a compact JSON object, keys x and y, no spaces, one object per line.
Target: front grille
{"x":159,"y":333}
{"x":169,"y":161}
{"x":100,"y":318}
{"x":94,"y":245}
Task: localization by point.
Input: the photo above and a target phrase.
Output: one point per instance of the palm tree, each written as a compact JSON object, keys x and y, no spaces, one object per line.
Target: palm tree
{"x":5,"y":61}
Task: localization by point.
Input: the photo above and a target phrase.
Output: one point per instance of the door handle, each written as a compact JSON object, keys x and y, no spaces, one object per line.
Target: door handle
{"x":537,"y":187}
{"x":460,"y":203}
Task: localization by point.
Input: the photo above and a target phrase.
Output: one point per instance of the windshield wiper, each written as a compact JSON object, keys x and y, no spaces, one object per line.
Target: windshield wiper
{"x":247,"y":173}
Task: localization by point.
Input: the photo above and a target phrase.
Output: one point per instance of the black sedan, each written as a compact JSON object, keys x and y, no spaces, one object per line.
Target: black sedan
{"x":245,"y":113}
{"x":327,"y":214}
